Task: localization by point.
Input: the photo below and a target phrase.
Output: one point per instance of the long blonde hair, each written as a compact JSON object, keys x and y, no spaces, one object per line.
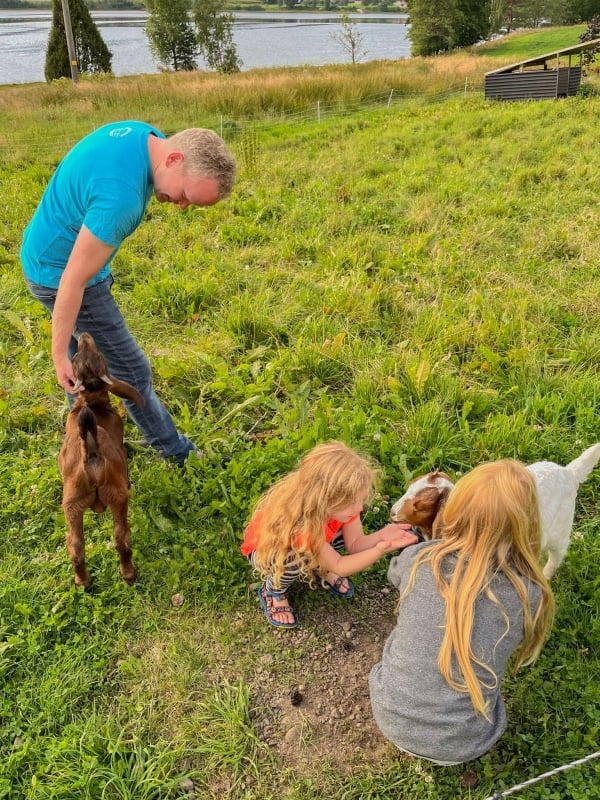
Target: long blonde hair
{"x":491,"y":523}
{"x":292,"y":514}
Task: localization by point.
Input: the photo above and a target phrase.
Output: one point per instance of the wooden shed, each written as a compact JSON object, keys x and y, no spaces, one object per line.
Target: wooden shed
{"x":550,"y":76}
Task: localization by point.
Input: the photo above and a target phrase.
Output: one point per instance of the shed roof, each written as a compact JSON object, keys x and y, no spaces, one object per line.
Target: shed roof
{"x":531,"y":62}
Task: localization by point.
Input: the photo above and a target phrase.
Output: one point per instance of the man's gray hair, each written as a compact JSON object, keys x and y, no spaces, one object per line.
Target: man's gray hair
{"x":206,"y":155}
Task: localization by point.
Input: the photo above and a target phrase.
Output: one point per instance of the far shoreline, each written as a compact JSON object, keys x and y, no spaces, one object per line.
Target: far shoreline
{"x":254,"y":8}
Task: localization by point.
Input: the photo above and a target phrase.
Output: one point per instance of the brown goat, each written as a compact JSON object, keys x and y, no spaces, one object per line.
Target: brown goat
{"x":93,"y":459}
{"x":422,"y":502}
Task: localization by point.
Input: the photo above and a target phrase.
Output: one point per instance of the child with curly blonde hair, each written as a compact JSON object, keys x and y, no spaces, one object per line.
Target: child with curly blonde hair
{"x":302,"y":524}
{"x":471,"y":601}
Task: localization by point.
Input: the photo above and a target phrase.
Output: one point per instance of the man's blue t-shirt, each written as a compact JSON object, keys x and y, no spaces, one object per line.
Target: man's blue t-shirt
{"x":105,"y":183}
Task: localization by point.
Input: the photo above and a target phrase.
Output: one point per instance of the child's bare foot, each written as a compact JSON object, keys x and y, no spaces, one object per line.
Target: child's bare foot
{"x":340,"y":587}
{"x":277,"y":609}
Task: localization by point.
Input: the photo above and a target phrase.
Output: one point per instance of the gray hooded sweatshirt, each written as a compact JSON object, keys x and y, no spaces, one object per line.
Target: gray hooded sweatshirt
{"x":412,"y":704}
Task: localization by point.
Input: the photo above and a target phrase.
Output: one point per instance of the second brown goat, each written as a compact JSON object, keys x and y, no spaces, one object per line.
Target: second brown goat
{"x":93,"y":459}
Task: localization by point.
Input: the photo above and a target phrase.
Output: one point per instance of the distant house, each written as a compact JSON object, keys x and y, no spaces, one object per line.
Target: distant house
{"x":552,"y":75}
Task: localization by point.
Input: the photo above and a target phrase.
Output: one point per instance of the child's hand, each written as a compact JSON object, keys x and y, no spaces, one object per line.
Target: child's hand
{"x":392,"y":531}
{"x":396,"y":536}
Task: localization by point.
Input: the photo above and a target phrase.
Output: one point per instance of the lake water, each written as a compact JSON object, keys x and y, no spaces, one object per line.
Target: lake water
{"x":286,"y":40}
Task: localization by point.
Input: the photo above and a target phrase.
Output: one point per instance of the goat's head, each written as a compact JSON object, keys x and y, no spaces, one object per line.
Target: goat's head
{"x":422,"y":502}
{"x":91,"y":371}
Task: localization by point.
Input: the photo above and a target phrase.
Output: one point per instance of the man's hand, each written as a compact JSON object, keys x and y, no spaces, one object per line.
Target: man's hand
{"x":66,"y":377}
{"x":87,"y":258}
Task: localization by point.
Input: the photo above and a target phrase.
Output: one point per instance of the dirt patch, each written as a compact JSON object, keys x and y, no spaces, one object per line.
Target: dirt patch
{"x":320,"y":710}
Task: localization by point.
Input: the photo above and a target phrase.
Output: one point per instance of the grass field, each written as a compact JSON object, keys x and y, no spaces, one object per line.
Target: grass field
{"x":520,"y":45}
{"x":418,"y":279}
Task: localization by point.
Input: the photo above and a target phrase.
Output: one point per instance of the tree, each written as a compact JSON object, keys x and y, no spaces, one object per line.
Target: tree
{"x":511,"y":18}
{"x":498,"y":15}
{"x":576,"y":11}
{"x":90,"y":48}
{"x":533,"y":13}
{"x":471,"y":22}
{"x":430,"y":26}
{"x":589,"y":35}
{"x":349,"y":37}
{"x":440,"y":25}
{"x":214,"y":32}
{"x":171,"y":34}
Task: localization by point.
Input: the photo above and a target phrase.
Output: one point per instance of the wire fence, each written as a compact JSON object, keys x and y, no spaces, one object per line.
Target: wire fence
{"x":322,"y":112}
{"x":53,"y":142}
{"x":550,"y":773}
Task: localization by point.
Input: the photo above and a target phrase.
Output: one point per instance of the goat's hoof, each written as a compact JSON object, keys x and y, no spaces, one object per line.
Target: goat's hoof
{"x":130,"y":578}
{"x":83,"y":581}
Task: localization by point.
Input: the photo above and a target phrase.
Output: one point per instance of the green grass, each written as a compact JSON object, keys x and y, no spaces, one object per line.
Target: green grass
{"x":420,"y":281}
{"x":534,"y":43}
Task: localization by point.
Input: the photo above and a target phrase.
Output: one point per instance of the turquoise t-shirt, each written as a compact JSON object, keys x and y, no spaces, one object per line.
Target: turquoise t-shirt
{"x":104,"y":183}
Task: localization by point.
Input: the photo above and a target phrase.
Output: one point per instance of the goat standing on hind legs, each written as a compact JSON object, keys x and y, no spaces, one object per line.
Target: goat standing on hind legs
{"x":93,"y":459}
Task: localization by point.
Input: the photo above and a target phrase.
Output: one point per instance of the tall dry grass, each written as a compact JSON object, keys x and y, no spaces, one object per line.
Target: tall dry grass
{"x":255,"y":91}
{"x":36,"y":113}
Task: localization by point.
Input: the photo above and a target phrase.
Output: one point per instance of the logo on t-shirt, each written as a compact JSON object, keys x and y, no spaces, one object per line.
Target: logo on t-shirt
{"x":120,"y":132}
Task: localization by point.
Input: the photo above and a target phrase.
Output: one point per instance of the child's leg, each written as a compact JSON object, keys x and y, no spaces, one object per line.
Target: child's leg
{"x":290,"y":575}
{"x":341,"y":587}
{"x":275,"y":601}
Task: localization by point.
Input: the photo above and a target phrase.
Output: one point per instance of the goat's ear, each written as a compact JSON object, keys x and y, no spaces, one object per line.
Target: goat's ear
{"x":427,"y":499}
{"x":126,"y":391}
{"x":444,"y":494}
{"x":438,"y":527}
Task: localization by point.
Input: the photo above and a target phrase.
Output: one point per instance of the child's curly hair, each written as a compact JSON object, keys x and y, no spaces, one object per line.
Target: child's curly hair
{"x":293,"y":513}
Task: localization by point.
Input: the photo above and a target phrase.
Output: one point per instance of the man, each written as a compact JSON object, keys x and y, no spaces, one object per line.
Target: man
{"x":95,"y":199}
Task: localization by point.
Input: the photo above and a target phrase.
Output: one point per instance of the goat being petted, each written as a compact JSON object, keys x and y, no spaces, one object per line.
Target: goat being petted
{"x":93,"y":459}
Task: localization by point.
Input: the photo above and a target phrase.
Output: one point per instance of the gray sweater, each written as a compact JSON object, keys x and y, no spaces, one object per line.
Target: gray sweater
{"x":412,"y":704}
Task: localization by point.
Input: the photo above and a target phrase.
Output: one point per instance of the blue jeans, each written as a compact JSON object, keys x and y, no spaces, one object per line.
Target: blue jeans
{"x":100,"y":316}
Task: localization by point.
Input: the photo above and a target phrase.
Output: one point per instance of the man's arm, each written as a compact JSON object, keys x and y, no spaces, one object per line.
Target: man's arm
{"x":87,"y":258}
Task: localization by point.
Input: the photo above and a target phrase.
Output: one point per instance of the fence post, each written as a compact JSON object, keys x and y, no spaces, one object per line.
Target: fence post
{"x":390,"y":98}
{"x":70,"y":42}
{"x":318,"y":111}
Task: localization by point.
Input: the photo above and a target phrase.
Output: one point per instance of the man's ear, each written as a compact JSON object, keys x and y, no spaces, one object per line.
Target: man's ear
{"x":173,"y":158}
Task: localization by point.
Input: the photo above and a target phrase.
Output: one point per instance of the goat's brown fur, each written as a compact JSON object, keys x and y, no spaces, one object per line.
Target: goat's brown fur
{"x":421,"y":508}
{"x":93,"y":459}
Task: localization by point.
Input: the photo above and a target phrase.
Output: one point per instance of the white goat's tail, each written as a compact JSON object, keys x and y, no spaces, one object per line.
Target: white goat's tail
{"x":582,"y":466}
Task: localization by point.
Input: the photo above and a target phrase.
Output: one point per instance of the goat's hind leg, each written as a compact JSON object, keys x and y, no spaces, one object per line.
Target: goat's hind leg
{"x":122,"y":537}
{"x":76,"y":545}
{"x":556,"y":555}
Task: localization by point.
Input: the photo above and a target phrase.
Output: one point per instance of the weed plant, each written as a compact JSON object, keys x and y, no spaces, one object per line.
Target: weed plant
{"x":419,"y":280}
